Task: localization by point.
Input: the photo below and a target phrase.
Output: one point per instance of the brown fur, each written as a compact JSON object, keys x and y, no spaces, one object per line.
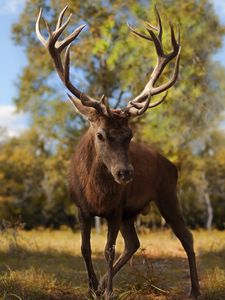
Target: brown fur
{"x":96,"y":192}
{"x":101,"y":191}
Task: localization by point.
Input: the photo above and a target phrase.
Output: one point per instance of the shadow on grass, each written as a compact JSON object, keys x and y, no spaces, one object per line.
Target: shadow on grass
{"x":50,"y":275}
{"x":57,"y":275}
{"x":54,"y":275}
{"x":214,"y":257}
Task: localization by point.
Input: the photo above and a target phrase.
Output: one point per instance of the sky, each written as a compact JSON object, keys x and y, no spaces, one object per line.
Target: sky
{"x":13,"y":59}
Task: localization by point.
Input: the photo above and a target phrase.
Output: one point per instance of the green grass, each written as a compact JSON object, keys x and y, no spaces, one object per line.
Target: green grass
{"x":47,"y":265}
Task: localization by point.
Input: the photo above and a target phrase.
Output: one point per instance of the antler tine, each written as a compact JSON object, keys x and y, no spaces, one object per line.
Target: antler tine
{"x":160,"y":24}
{"x":138,"y":33}
{"x":68,"y":40}
{"x":152,"y":27}
{"x":48,"y":28}
{"x":174,"y":42}
{"x":157,"y":39}
{"x":145,"y":106}
{"x":95,"y":106}
{"x":173,"y":79}
{"x":138,"y":109}
{"x":159,"y":28}
{"x":105,"y":104}
{"x":59,"y":31}
{"x":55,"y":49}
{"x":157,"y":43}
{"x":37,"y":27}
{"x":141,"y":103}
{"x":159,"y":102}
{"x":60,"y":18}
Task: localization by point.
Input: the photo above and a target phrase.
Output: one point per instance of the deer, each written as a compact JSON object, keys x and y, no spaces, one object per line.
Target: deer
{"x":112,"y":176}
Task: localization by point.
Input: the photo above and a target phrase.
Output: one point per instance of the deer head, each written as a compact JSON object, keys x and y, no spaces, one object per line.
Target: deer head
{"x":110,"y":128}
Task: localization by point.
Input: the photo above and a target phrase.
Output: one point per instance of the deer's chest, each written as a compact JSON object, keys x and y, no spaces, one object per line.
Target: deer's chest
{"x":102,"y":197}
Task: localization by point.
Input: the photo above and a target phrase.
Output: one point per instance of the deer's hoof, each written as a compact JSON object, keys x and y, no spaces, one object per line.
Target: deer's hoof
{"x":102,"y":287}
{"x":108,"y":295}
{"x":195,"y":294}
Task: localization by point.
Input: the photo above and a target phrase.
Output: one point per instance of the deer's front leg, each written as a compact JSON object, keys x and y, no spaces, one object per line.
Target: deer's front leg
{"x":132,"y":243}
{"x":86,"y":252}
{"x":113,"y":229}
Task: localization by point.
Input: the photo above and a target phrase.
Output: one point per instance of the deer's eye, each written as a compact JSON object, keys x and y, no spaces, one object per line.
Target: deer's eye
{"x":100,"y":136}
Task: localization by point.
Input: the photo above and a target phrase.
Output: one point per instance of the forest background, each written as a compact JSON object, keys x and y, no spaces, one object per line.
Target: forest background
{"x":108,"y":59}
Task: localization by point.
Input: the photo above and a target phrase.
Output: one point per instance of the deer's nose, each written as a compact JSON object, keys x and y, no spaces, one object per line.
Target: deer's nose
{"x":125,"y":174}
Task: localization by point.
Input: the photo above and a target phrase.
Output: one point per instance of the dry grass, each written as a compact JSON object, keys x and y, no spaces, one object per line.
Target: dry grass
{"x":45,"y":265}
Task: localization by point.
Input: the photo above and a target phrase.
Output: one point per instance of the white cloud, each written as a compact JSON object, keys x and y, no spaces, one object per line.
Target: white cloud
{"x":11,"y":6}
{"x":14,"y":123}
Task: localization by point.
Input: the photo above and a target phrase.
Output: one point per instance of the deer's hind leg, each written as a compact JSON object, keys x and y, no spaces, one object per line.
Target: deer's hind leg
{"x":170,"y":209}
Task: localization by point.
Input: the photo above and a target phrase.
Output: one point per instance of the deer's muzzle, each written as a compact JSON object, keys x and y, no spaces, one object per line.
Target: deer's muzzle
{"x":125,"y":175}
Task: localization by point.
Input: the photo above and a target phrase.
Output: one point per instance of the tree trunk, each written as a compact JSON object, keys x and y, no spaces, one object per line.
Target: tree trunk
{"x":209,"y":210}
{"x":97,"y":225}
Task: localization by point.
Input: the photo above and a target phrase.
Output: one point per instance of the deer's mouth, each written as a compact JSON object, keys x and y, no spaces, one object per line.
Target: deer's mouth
{"x":123,"y":182}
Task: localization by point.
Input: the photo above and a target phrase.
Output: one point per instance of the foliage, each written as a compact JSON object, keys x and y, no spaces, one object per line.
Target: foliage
{"x":21,"y":172}
{"x":214,"y":155}
{"x":31,"y":190}
{"x":108,"y":59}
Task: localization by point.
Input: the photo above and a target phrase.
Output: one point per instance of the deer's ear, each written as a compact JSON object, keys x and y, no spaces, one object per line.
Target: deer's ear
{"x":89,"y":112}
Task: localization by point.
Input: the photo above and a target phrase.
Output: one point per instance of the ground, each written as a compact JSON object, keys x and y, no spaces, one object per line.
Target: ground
{"x":47,"y":265}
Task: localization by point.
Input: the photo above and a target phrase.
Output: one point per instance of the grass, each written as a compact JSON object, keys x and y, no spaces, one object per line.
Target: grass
{"x":47,"y":265}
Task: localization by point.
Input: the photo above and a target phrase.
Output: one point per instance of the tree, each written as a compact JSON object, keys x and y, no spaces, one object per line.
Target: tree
{"x":34,"y":183}
{"x":214,"y":155}
{"x":21,"y":172}
{"x":108,"y":59}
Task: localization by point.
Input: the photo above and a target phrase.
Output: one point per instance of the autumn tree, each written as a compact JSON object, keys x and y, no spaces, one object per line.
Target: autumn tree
{"x":108,"y":59}
{"x":21,"y":173}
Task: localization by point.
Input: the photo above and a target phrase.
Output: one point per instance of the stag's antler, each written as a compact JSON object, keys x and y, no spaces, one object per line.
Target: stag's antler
{"x":141,"y":103}
{"x":136,"y":106}
{"x":55,"y":49}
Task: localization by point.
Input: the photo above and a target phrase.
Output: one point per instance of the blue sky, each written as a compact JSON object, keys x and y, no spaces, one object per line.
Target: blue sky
{"x":13,"y":59}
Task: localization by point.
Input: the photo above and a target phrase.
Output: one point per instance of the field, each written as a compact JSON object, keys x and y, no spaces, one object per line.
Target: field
{"x":47,"y":265}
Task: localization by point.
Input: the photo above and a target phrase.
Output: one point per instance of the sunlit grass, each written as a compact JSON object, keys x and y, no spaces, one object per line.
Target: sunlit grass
{"x":42,"y":264}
